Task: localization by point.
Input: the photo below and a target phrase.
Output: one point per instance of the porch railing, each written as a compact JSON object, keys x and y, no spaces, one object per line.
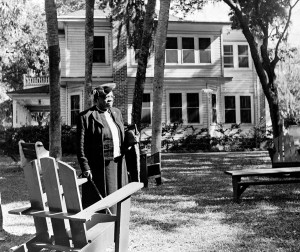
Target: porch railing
{"x":30,"y":82}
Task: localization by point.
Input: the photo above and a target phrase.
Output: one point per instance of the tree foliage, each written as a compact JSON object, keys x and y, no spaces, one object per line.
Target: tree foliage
{"x":265,"y":26}
{"x":22,"y":41}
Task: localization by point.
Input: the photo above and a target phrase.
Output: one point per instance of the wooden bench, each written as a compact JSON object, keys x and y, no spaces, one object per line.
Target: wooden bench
{"x":73,"y":228}
{"x":31,"y":151}
{"x":275,"y":175}
{"x":285,"y":153}
{"x":150,"y":167}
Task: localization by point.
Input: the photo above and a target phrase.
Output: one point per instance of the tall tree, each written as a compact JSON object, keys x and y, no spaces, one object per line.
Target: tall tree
{"x":89,"y":47}
{"x":22,"y":41}
{"x":158,"y":80}
{"x":54,"y":72}
{"x":143,"y":56}
{"x":265,"y":26}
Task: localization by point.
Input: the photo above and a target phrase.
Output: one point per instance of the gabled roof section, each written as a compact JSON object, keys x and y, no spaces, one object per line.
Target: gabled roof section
{"x":36,"y":90}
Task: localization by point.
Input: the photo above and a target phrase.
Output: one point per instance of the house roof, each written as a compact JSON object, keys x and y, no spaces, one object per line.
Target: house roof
{"x":35,"y":90}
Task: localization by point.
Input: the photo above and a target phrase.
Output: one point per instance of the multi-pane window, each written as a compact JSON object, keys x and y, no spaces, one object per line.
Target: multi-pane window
{"x":213,"y":108}
{"x":230,"y":109}
{"x":192,"y":100}
{"x":171,"y":50}
{"x":184,"y":108}
{"x":146,"y":109}
{"x":188,"y":55}
{"x":75,"y":108}
{"x":228,"y":56}
{"x":99,"y":49}
{"x":245,"y":105}
{"x":204,"y":50}
{"x":238,"y":109}
{"x":243,"y":57}
{"x":175,"y":108}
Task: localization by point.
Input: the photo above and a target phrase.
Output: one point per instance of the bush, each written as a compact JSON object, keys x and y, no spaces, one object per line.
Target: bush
{"x":33,"y":134}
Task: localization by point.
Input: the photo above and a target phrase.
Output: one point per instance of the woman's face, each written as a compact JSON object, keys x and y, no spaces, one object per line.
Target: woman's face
{"x":106,"y":102}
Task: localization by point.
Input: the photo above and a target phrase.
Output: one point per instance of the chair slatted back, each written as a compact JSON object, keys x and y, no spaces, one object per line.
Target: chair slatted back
{"x":73,"y":202}
{"x":31,"y":173}
{"x":54,"y":199}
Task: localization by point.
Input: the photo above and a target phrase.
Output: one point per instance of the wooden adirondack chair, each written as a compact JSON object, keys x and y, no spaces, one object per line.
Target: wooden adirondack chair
{"x":88,"y":230}
{"x":285,"y":153}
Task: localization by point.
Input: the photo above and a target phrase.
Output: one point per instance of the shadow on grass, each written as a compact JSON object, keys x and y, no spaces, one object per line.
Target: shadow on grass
{"x":193,"y":209}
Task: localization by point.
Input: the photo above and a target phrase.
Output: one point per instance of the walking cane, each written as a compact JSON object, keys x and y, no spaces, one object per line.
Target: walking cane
{"x":94,"y":185}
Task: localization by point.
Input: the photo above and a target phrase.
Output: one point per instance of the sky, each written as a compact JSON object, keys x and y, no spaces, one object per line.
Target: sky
{"x":218,"y":12}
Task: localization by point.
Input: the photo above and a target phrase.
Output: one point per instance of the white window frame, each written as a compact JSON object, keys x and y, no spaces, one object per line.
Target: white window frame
{"x":217,"y":108}
{"x":105,"y":35}
{"x":69,"y":104}
{"x":236,"y":56}
{"x":238,"y":108}
{"x":196,"y":49}
{"x":184,"y":105}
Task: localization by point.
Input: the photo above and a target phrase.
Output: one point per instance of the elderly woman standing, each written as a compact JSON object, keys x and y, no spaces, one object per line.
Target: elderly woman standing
{"x":100,"y":136}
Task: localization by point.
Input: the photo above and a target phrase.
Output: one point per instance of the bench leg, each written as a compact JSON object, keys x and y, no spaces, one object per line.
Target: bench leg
{"x":236,"y":188}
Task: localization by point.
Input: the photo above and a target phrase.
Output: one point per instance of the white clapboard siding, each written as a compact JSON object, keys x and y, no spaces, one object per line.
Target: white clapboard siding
{"x":62,"y":47}
{"x":75,"y":52}
{"x":242,"y":82}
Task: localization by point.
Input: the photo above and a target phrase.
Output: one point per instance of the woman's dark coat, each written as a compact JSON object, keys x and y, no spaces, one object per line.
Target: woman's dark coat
{"x":91,"y":129}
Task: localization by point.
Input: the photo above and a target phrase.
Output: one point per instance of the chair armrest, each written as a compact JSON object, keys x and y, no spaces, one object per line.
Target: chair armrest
{"x":110,"y":200}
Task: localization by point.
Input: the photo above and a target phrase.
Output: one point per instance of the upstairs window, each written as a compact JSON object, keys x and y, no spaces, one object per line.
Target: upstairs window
{"x":243,"y":57}
{"x":204,"y":50}
{"x":188,"y":55}
{"x":146,"y":109}
{"x":75,"y":108}
{"x":99,"y":49}
{"x":171,"y":50}
{"x":228,"y":56}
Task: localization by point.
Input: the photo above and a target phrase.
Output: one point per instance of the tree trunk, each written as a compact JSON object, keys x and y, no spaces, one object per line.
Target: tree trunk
{"x":54,"y":72}
{"x":89,"y":47}
{"x":144,"y":53}
{"x":158,"y":81}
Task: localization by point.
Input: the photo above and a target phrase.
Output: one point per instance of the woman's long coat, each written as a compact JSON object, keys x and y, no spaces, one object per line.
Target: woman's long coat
{"x":91,"y":129}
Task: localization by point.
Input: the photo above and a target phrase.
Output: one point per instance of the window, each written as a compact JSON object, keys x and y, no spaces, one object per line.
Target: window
{"x":236,"y":56}
{"x":188,"y":55}
{"x":245,"y":104}
{"x":238,"y":109}
{"x":228,"y":56}
{"x":99,"y":49}
{"x":230,"y":109}
{"x":75,"y":108}
{"x":214,"y":108}
{"x":171,"y":50}
{"x":204,"y":50}
{"x":175,"y":108}
{"x":193,"y":115}
{"x":146,"y":109}
{"x":184,"y":107}
{"x":243,"y":56}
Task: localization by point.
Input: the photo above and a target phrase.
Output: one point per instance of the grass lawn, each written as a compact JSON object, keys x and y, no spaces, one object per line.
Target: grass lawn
{"x":192,"y":211}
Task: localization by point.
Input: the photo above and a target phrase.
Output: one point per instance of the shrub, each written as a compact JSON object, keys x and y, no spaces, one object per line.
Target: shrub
{"x":33,"y":134}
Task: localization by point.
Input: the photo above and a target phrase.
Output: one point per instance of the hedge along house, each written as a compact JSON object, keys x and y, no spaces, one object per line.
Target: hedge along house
{"x":209,"y":75}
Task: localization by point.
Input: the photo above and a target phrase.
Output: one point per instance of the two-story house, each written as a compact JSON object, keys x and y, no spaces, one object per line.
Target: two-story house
{"x":209,"y":75}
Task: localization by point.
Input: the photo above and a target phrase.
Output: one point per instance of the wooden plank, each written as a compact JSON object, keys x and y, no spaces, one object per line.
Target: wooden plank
{"x":259,"y":172}
{"x":73,"y":202}
{"x":54,"y":195}
{"x":122,"y":226}
{"x":270,"y":182}
{"x":36,"y":199}
{"x":110,"y":200}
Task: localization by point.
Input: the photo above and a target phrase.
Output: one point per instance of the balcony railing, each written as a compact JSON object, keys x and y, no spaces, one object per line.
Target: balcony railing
{"x":31,"y":82}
